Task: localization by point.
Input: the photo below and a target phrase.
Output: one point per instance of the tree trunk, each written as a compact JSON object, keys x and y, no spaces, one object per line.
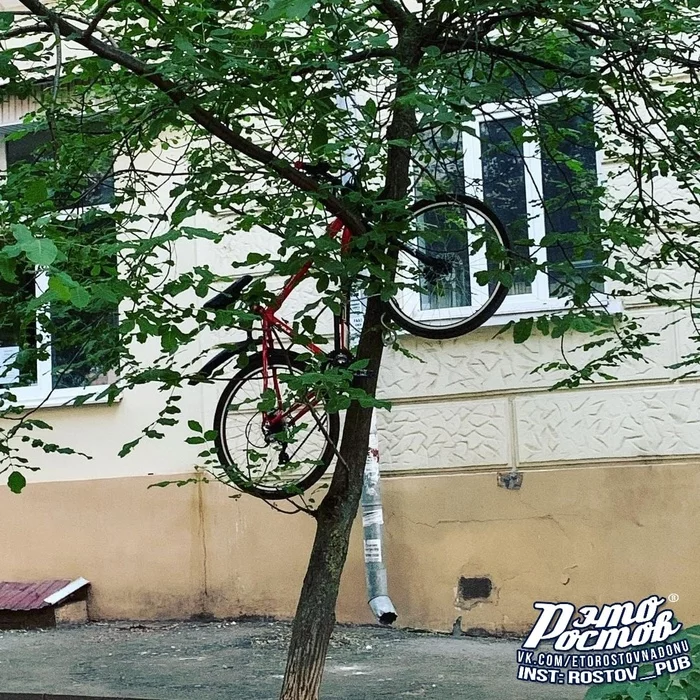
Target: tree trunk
{"x":315,"y":615}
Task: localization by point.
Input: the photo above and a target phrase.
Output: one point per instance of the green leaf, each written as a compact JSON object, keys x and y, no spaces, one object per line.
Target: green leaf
{"x":637,"y":692}
{"x":522,"y":330}
{"x":257,"y":258}
{"x":6,"y":20}
{"x":58,"y":285}
{"x":169,"y":339}
{"x":128,"y":447}
{"x":309,"y":324}
{"x":40,"y":251}
{"x":184,"y":45}
{"x":583,"y":325}
{"x":370,"y":108}
{"x":289,"y":9}
{"x":36,"y":423}
{"x":79,"y":297}
{"x":195,"y":440}
{"x":195,"y":426}
{"x":160,"y":484}
{"x":298,"y":9}
{"x":35,"y":192}
{"x":319,"y":136}
{"x":16,"y":482}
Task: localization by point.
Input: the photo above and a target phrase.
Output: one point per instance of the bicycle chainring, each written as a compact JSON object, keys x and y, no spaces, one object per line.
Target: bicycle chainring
{"x":340,"y":358}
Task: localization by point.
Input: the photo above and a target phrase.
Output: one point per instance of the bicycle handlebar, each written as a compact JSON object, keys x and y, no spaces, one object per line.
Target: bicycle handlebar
{"x":320,"y":171}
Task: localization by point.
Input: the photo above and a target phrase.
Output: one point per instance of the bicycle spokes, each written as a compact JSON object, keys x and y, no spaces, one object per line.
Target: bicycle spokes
{"x":280,"y":436}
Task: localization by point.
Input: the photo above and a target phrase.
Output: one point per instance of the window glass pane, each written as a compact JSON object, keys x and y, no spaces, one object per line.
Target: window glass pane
{"x":444,"y":236}
{"x":17,"y":332}
{"x":442,"y":231}
{"x":94,"y":184}
{"x":31,"y":148}
{"x":442,"y":165}
{"x":568,"y":178}
{"x":85,"y":342}
{"x":503,"y":170}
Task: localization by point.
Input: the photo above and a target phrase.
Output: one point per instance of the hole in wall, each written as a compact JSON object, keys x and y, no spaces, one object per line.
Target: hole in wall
{"x":470,"y":588}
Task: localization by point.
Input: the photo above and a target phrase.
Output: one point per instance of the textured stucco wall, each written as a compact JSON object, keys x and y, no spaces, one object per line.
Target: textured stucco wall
{"x":475,"y":403}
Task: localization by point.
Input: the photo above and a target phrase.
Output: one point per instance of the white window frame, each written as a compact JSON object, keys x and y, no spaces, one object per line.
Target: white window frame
{"x":538,"y":301}
{"x":411,"y":298}
{"x":43,"y":393}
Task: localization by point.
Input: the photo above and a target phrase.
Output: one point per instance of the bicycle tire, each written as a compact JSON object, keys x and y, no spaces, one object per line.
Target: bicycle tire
{"x":402,"y":313}
{"x":280,"y":485}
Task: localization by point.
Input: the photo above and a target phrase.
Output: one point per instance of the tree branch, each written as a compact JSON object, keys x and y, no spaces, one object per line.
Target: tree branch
{"x":198,"y":114}
{"x":99,"y":16}
{"x":587,"y":30}
{"x":393,"y":10}
{"x":40,"y":28}
{"x":348,"y":60}
{"x":458,"y":44}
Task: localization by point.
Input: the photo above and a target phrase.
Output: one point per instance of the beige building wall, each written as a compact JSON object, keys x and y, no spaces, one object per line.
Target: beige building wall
{"x":606,"y":511}
{"x":589,"y":535}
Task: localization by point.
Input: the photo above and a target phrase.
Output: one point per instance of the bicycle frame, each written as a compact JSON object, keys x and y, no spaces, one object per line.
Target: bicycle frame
{"x":271,"y":322}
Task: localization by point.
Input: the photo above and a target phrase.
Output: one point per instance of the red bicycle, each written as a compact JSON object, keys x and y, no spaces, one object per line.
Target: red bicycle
{"x":274,"y":441}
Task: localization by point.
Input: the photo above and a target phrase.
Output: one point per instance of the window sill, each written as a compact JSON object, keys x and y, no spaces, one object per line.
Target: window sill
{"x":63,"y":398}
{"x":515,"y":311}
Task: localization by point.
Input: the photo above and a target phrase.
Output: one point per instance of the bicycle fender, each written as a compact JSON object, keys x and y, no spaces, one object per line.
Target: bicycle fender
{"x":220,"y":359}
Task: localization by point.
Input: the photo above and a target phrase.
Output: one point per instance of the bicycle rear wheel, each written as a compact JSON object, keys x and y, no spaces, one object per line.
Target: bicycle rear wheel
{"x":267,"y":449}
{"x":456,"y":241}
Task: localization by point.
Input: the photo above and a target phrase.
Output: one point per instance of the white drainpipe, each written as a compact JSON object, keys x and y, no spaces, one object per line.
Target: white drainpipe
{"x":373,"y":534}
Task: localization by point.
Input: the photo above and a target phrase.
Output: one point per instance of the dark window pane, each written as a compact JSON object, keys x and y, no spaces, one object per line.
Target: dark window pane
{"x":94,"y":184}
{"x":31,"y":148}
{"x":444,"y":236}
{"x":85,"y":342}
{"x":443,"y":165}
{"x":568,"y":177}
{"x":82,"y":348}
{"x":503,"y":169}
{"x":442,"y":230}
{"x":17,"y":331}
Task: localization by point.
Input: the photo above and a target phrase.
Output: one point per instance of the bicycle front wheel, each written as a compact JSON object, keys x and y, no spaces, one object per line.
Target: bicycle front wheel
{"x":456,"y":242}
{"x":276,"y":443}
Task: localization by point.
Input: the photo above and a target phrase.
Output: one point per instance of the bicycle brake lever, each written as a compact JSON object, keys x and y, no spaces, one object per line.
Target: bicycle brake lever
{"x":320,"y":171}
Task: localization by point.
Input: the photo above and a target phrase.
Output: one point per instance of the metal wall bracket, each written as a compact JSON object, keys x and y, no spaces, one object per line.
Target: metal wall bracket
{"x":510,"y":480}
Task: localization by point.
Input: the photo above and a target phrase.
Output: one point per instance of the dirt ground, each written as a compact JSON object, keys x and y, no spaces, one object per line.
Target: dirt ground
{"x":244,"y":660}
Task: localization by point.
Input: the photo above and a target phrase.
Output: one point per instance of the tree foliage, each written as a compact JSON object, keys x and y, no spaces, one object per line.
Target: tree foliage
{"x":228,"y":95}
{"x":185,"y":119}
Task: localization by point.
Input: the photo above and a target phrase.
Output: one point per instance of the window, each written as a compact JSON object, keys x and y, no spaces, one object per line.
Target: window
{"x":536,"y":167}
{"x":53,"y":347}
